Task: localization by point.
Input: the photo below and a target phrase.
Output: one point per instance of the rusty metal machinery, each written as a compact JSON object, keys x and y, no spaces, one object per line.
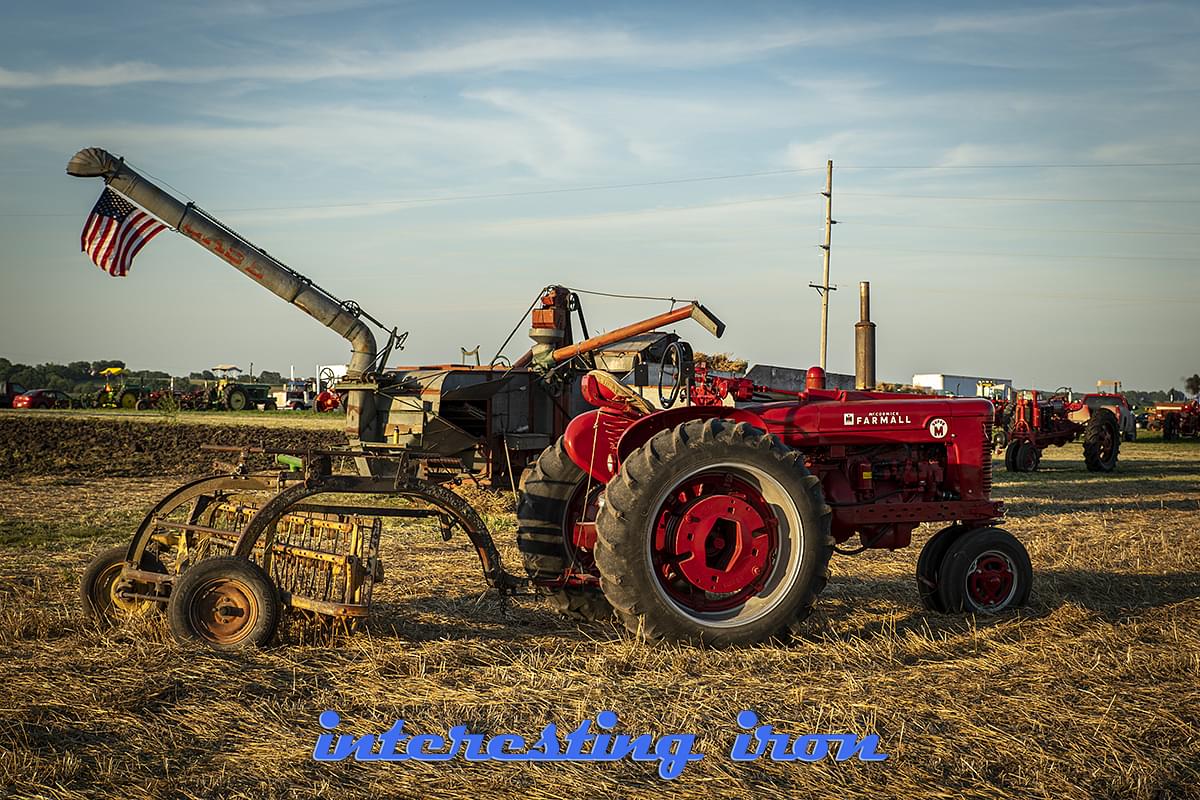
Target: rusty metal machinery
{"x":224,"y":554}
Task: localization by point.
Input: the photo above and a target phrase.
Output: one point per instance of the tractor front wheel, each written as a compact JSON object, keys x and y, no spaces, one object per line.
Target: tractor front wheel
{"x":985,"y":571}
{"x":225,"y":603}
{"x":929,"y":566}
{"x":1010,"y":455}
{"x":556,"y":499}
{"x":713,"y":533}
{"x":1101,"y":441}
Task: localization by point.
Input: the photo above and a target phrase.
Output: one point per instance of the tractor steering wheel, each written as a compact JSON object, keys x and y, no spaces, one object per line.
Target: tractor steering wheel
{"x":674,"y":365}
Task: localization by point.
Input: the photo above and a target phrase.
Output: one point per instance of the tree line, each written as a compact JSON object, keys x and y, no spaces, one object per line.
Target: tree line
{"x":84,"y":376}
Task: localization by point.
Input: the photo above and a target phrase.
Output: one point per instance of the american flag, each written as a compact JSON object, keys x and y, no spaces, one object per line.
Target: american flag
{"x":115,"y":231}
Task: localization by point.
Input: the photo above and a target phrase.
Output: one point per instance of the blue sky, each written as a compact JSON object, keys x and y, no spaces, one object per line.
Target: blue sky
{"x":309,"y":126}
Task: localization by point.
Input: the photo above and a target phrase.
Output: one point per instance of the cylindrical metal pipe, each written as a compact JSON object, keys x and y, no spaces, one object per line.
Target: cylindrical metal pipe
{"x":864,"y":341}
{"x":94,"y":162}
{"x":694,"y":311}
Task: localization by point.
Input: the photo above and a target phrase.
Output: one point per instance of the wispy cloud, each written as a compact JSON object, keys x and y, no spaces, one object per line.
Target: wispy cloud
{"x":537,"y":47}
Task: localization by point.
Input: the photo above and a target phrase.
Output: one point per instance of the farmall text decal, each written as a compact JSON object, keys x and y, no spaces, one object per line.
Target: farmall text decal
{"x":876,"y":418}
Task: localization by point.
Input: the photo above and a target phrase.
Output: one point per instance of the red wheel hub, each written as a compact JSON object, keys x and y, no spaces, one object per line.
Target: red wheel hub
{"x":991,"y":579}
{"x":715,"y":542}
{"x":722,"y":542}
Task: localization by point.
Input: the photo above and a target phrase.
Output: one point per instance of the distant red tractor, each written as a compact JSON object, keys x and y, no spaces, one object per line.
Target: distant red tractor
{"x":1036,"y":421}
{"x":716,"y":524}
{"x":1176,"y":420}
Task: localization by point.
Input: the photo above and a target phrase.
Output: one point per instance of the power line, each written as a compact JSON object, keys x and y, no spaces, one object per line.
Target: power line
{"x":650,"y":211}
{"x":1186,"y":259}
{"x":1021,"y":228}
{"x":535,"y":192}
{"x":996,"y":198}
{"x":1130,"y":165}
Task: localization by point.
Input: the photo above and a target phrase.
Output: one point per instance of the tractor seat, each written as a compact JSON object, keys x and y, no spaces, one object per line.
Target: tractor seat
{"x":612,"y":389}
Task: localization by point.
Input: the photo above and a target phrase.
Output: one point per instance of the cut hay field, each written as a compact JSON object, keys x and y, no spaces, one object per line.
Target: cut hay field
{"x":1092,"y":691}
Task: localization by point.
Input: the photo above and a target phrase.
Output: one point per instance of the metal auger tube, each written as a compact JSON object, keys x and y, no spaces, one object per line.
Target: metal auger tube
{"x":344,"y":319}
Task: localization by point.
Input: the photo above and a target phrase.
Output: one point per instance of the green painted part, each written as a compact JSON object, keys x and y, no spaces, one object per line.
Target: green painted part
{"x":294,"y":463}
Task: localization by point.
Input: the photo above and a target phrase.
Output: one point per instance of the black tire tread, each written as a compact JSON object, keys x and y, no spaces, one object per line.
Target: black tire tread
{"x":959,"y":556}
{"x":639,"y":468}
{"x":1102,"y":418}
{"x":546,"y":488}
{"x":929,"y":565}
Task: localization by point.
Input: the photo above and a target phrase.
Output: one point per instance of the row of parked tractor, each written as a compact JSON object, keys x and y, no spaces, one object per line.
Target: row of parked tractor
{"x":226,"y":392}
{"x":1033,"y":421}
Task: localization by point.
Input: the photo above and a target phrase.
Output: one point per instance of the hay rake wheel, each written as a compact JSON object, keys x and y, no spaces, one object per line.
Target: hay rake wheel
{"x":99,"y":588}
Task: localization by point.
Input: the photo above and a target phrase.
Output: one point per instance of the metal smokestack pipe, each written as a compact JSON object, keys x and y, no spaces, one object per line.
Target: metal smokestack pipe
{"x":864,"y":340}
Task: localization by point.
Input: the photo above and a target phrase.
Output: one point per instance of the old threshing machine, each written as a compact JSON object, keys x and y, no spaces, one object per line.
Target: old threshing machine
{"x":709,"y":515}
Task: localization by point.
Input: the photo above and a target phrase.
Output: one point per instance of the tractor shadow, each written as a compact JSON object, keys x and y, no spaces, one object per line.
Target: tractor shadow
{"x":480,"y":617}
{"x":1054,"y":505}
{"x":1113,"y":597}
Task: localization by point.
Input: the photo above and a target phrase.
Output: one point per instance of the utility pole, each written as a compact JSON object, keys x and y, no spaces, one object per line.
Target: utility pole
{"x":824,"y":288}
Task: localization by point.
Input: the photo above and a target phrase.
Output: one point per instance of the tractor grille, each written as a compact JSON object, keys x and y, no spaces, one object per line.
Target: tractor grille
{"x":987,"y":459}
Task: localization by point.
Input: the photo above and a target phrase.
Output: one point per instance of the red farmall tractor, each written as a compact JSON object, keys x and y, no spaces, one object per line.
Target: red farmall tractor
{"x":1176,"y":420}
{"x":715,"y":524}
{"x":1039,"y":421}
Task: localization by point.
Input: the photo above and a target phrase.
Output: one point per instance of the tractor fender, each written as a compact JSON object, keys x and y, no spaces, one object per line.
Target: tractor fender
{"x":598,"y":441}
{"x":640,"y":431}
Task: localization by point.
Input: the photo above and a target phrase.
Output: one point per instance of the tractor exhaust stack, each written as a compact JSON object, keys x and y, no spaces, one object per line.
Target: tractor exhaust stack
{"x":864,"y":340}
{"x":342,"y":318}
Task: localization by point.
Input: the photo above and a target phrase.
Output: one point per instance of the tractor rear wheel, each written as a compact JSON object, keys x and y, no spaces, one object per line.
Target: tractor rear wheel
{"x":556,"y":496}
{"x":226,"y":603}
{"x":236,"y":399}
{"x":128,"y":400}
{"x":97,"y":588}
{"x":929,"y":565}
{"x":985,"y":571}
{"x":1170,"y":428}
{"x":713,"y":533}
{"x":1101,"y":441}
{"x":1027,"y":457}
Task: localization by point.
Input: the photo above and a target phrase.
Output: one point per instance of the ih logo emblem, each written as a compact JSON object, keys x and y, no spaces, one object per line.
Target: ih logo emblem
{"x":938,"y":428}
{"x":848,"y":418}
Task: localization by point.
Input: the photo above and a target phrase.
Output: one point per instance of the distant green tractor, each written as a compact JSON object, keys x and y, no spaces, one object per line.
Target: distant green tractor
{"x":232,"y":394}
{"x":117,"y":394}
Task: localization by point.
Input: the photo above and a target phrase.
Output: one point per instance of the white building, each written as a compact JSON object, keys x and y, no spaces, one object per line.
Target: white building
{"x":964,"y":385}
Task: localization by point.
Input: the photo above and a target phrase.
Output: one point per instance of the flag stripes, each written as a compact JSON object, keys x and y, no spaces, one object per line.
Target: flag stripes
{"x":115,"y":232}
